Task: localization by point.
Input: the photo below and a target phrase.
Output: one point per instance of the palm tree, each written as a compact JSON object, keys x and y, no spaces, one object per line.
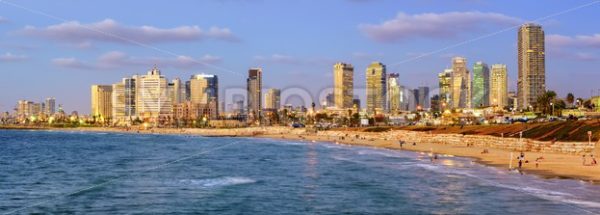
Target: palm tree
{"x":544,"y":100}
{"x":570,"y":99}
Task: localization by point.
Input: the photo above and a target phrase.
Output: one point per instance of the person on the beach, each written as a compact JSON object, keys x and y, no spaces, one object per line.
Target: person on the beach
{"x":521,"y":159}
{"x":583,"y":158}
{"x":537,"y":162}
{"x":414,"y":143}
{"x":594,"y":163}
{"x":401,"y":143}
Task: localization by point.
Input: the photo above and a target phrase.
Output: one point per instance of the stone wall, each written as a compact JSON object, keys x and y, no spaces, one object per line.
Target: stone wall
{"x":473,"y":140}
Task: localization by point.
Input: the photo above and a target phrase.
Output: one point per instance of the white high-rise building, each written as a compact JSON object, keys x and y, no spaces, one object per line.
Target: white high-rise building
{"x":153,"y":100}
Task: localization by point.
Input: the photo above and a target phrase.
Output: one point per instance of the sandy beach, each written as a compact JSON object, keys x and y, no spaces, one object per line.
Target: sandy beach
{"x":553,"y":165}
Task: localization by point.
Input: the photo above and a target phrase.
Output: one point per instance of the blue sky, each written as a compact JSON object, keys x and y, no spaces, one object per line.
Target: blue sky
{"x":60,"y":48}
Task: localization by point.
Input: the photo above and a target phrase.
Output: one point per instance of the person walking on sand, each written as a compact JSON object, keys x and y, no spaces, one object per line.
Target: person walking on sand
{"x":594,"y":163}
{"x":401,"y":143}
{"x":521,"y":159}
{"x":583,"y":159}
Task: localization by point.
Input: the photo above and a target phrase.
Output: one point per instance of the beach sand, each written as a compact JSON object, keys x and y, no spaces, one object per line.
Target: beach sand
{"x":554,"y":165}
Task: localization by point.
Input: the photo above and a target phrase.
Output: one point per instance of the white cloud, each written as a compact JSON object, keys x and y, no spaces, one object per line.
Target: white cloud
{"x":9,"y":57}
{"x":116,"y":60}
{"x":434,"y":25}
{"x":589,"y":41}
{"x":277,"y":58}
{"x":573,"y":47}
{"x":71,"y":63}
{"x":109,"y":30}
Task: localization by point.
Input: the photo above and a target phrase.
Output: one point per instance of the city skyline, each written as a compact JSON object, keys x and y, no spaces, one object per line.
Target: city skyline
{"x":93,"y":59}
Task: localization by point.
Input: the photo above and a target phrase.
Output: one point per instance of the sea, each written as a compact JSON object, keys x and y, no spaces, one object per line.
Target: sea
{"x":69,"y":172}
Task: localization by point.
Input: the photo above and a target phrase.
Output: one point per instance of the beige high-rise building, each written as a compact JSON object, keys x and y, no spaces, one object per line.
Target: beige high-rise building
{"x":204,"y":88}
{"x":394,"y":95}
{"x":273,"y":99}
{"x":461,"y":83}
{"x":153,"y":100}
{"x":177,"y":91}
{"x":101,"y":101}
{"x":499,"y":86}
{"x":343,"y":83}
{"x":531,"y":82}
{"x":254,"y":87}
{"x":376,"y":88}
{"x":24,"y":109}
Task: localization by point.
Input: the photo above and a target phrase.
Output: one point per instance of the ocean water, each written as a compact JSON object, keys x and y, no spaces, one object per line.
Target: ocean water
{"x":104,"y":173}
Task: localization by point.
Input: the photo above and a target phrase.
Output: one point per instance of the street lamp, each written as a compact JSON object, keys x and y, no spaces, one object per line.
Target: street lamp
{"x":552,"y":104}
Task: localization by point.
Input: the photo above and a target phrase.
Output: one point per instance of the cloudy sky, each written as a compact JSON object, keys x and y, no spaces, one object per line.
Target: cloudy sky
{"x":59,"y":48}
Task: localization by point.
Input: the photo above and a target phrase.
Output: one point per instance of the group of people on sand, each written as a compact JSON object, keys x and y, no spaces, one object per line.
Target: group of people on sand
{"x":522,"y":160}
{"x":592,"y":161}
{"x":402,"y":142}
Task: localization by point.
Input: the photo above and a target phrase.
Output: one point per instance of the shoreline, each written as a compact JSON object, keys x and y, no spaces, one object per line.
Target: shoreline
{"x":554,"y":165}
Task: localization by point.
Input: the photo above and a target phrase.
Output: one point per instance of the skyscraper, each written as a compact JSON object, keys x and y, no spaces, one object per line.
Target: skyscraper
{"x":50,"y":106}
{"x":376,"y":88}
{"x":531,"y":82}
{"x":153,"y":100}
{"x":481,"y":84}
{"x":394,"y":95}
{"x":445,"y":85}
{"x":423,"y":98}
{"x":130,"y":88}
{"x":499,"y":86}
{"x":272,"y":99}
{"x":101,"y":101}
{"x":343,"y":82}
{"x":204,"y":88}
{"x":177,"y":91}
{"x":461,"y":83}
{"x":254,"y":88}
{"x":118,"y":102}
{"x":24,"y":109}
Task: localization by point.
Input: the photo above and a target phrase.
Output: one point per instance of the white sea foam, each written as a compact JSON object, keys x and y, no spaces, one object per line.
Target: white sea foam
{"x":218,"y":182}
